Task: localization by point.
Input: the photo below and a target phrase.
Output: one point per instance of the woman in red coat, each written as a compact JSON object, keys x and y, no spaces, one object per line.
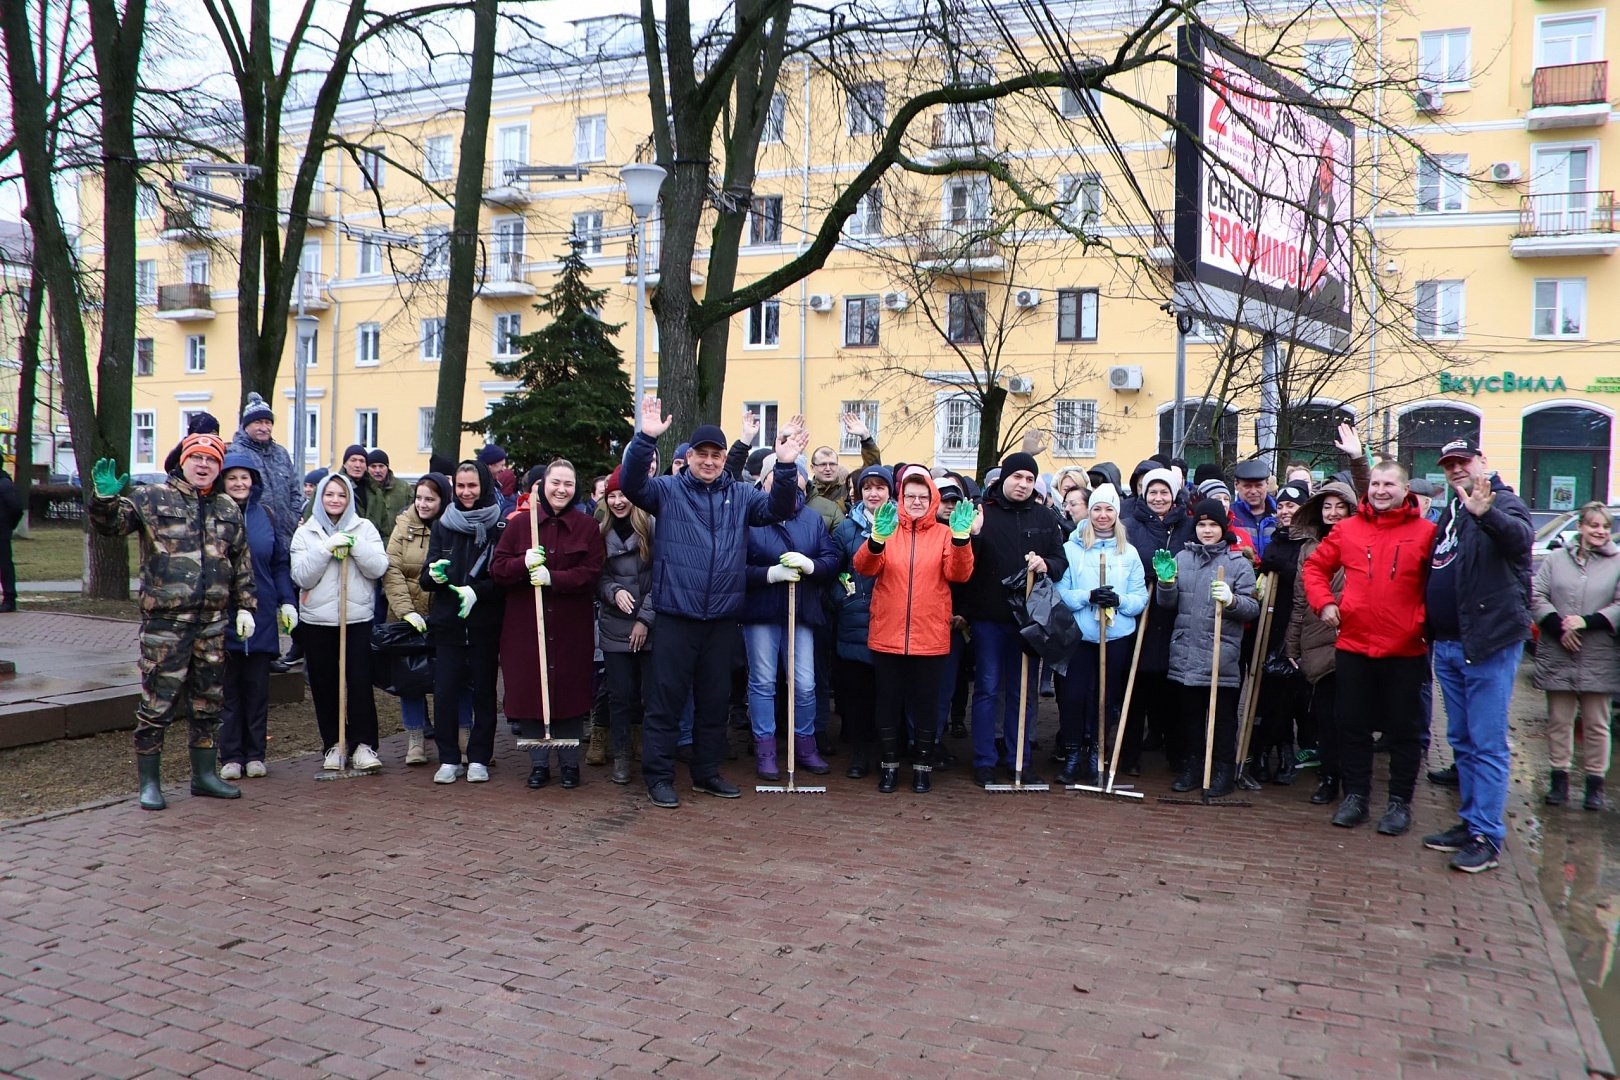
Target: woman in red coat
{"x":565,"y":569}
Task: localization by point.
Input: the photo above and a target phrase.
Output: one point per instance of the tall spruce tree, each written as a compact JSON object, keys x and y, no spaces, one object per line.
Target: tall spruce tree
{"x":575,"y":397}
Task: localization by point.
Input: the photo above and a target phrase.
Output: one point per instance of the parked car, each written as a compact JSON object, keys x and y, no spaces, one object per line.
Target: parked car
{"x":1559,"y":531}
{"x":141,"y":479}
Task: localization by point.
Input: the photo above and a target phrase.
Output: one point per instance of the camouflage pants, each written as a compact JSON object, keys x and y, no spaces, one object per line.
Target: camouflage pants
{"x":182,"y":675}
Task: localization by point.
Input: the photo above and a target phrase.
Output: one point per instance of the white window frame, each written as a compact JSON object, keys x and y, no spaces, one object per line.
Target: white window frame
{"x":1083,"y":200}
{"x":197,"y":268}
{"x":196,"y":354}
{"x":151,"y":357}
{"x":368,"y":258}
{"x":373,"y":168}
{"x":1439,"y":68}
{"x":1074,"y":427}
{"x":768,"y":412}
{"x":774,"y":129}
{"x":587,"y":231}
{"x":143,"y":420}
{"x":424,"y":429}
{"x":868,"y":412}
{"x":860,"y":116}
{"x":435,"y":250}
{"x":312,"y":434}
{"x":1437,"y":309}
{"x":1446,"y":175}
{"x":871,"y":314}
{"x":964,"y":299}
{"x":146,"y":283}
{"x":438,"y":157}
{"x":1069,"y":101}
{"x":508,"y":327}
{"x":366,"y":428}
{"x":1080,"y":295}
{"x":312,"y":351}
{"x":1205,"y":332}
{"x":1561,"y":285}
{"x":866,"y":223}
{"x":147,"y":204}
{"x":1327,"y":64}
{"x":963,"y":452}
{"x":763,"y":325}
{"x":590,"y":138}
{"x":764,"y":228}
{"x":368,"y":344}
{"x":1543,"y":21}
{"x":430,"y":339}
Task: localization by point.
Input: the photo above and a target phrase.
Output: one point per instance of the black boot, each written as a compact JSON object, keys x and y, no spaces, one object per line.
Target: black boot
{"x":1191,"y":776}
{"x":1246,"y":781}
{"x":1069,"y":773}
{"x":1326,"y":791}
{"x":1594,"y":794}
{"x":1287,"y":769}
{"x":1260,"y":767}
{"x":1558,"y":790}
{"x":1397,"y":817}
{"x":860,"y":762}
{"x":1351,"y":812}
{"x":888,"y":776}
{"x":922,"y":773}
{"x":205,"y":777}
{"x":1222,"y":780}
{"x":150,"y":769}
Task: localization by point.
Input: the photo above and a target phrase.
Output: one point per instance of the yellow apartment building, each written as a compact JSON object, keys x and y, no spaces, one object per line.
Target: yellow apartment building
{"x":1498,"y":244}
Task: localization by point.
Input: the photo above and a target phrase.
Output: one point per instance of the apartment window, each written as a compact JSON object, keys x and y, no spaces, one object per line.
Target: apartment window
{"x":196,"y":354}
{"x":432,"y":339}
{"x":1439,"y":309}
{"x":1077,"y":314}
{"x":146,"y":281}
{"x":765,"y":324}
{"x":438,"y":158}
{"x":861,"y":320}
{"x":143,"y":438}
{"x":766,"y":411}
{"x":1208,"y":333}
{"x":590,"y":138}
{"x":312,"y":349}
{"x":312,"y":434}
{"x":1074,"y":102}
{"x":1442,"y":184}
{"x":964,"y":321}
{"x":371,"y":167}
{"x":1572,"y":39}
{"x":146,"y":202}
{"x":868,"y":412}
{"x":765,"y":220}
{"x":368,"y":344}
{"x":145,"y":356}
{"x":1081,"y":204}
{"x":867,"y":221}
{"x":958,"y":434}
{"x":1443,"y":60}
{"x":197,"y":268}
{"x":867,"y":112}
{"x":424,"y":429}
{"x":508,"y":328}
{"x":370,"y":258}
{"x":1074,"y":427}
{"x":1327,"y":66}
{"x":436,"y":250}
{"x":365,"y":427}
{"x":775,"y":120}
{"x":588,"y":232}
{"x":1560,"y":308}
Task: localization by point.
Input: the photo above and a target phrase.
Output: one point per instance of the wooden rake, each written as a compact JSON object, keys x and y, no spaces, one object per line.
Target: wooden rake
{"x":546,"y":739}
{"x":1110,"y":763}
{"x":791,"y":788}
{"x":345,"y":770}
{"x":1023,"y":704}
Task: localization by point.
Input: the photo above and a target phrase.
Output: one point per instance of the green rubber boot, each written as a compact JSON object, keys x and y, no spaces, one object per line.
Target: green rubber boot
{"x":205,"y":777}
{"x":150,"y":767}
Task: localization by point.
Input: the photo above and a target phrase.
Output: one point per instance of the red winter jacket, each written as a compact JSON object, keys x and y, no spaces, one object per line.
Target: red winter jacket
{"x":1385,"y":558}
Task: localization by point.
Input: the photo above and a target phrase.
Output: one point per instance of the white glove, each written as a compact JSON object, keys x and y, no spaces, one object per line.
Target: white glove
{"x":778,"y":574}
{"x":339,"y":544}
{"x":1221,"y":591}
{"x":418,"y":623}
{"x":467,"y":597}
{"x":288,"y":616}
{"x":799,"y":562}
{"x":534,"y":557}
{"x":539,"y":576}
{"x":244,"y":625}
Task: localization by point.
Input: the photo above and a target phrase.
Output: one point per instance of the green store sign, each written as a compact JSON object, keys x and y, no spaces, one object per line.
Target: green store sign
{"x":1510,"y":383}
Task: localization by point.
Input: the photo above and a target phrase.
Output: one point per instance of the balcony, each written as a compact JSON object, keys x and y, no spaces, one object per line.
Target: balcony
{"x":310,"y":291}
{"x":962,"y":131}
{"x":503,"y":191}
{"x":962,"y":245}
{"x":187,"y":302}
{"x":1569,"y":95}
{"x":188,"y":226}
{"x":506,"y":276}
{"x":316,"y":216}
{"x":1564,"y":224}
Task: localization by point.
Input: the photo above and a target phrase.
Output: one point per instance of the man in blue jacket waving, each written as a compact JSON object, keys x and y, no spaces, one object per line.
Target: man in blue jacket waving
{"x":699,"y":582}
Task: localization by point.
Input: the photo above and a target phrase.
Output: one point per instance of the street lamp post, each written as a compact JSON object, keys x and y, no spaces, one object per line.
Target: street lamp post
{"x":641,"y":185}
{"x":305,"y":326}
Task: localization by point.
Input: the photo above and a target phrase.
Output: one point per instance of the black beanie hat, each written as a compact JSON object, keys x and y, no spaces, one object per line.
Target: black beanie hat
{"x":1018,"y":461}
{"x":1212,"y":510}
{"x":351,"y":452}
{"x":377,"y":457}
{"x":203,"y":423}
{"x":1207,"y":471}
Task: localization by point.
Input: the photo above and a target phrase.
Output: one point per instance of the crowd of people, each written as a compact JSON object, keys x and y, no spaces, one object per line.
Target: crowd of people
{"x":641,"y":616}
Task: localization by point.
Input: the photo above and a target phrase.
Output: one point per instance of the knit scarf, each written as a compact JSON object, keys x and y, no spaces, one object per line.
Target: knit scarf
{"x":475,"y":522}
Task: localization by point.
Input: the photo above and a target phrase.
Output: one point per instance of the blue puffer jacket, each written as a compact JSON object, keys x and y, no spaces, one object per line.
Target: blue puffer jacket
{"x":272,"y":574}
{"x":806,"y":533}
{"x":1126,"y":577}
{"x":854,"y":609}
{"x":702,"y":531}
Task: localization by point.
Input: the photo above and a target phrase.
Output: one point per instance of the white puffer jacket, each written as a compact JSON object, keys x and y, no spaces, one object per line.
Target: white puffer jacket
{"x":315,"y":572}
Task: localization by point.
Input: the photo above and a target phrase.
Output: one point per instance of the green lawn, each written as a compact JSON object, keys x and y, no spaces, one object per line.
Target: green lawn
{"x":55,"y":553}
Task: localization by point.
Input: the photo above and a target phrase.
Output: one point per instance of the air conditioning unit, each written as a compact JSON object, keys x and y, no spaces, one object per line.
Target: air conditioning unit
{"x":896,"y":301}
{"x":1429,"y":101}
{"x":1506,"y":172}
{"x":1019,"y":384}
{"x":821,"y":301}
{"x":1125,"y":377}
{"x":1027,"y":298}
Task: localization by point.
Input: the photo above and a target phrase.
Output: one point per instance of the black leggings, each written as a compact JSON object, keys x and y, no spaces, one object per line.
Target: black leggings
{"x":907,"y":684}
{"x":321,"y":668}
{"x":856,"y":686}
{"x":1195,"y":722}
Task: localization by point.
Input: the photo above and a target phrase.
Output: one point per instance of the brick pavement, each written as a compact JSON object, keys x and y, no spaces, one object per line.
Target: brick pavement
{"x":388,"y":927}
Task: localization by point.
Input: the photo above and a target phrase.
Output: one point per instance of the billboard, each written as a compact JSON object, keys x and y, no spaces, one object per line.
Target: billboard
{"x":1264,"y":199}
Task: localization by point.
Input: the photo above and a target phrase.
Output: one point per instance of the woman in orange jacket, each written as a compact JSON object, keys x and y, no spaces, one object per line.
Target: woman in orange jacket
{"x":913,"y":558}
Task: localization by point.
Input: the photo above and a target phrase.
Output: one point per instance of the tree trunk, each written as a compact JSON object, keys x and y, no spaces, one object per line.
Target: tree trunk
{"x":464,"y":246}
{"x":992,"y":402}
{"x":33,"y":329}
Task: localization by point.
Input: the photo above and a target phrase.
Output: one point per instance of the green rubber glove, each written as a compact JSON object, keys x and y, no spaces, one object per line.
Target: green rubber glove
{"x":962,"y":519}
{"x":104,"y":476}
{"x":885,"y":522}
{"x":467,"y":598}
{"x":436,"y":571}
{"x":1164,"y":566}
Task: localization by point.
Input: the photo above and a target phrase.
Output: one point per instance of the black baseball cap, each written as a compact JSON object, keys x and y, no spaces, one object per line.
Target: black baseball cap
{"x":1459,"y":448}
{"x":707,"y":435}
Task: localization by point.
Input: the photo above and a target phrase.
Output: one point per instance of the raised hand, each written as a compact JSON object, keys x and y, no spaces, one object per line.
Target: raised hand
{"x":1348,"y":442}
{"x":653,"y":420}
{"x":962,"y":517}
{"x":1164,"y":566}
{"x":791,"y":440}
{"x":1034,"y":441}
{"x":106,"y":480}
{"x":854,"y":425}
{"x":1478,"y":500}
{"x":750,"y":427}
{"x":439,"y":571}
{"x":885,"y":522}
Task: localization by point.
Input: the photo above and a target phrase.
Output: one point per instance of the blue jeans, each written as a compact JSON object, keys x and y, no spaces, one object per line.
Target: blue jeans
{"x":1477,"y":696}
{"x":413,"y":712}
{"x":998,"y":656}
{"x":947,"y":683}
{"x":766,"y":645}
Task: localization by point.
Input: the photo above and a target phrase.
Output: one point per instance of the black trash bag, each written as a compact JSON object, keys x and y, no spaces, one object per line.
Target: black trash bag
{"x":400,"y":639}
{"x":409,"y":676}
{"x":401,"y":660}
{"x":1044,"y":621}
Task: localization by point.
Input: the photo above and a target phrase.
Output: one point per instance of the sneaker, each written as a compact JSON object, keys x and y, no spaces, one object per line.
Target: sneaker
{"x":1307,"y":757}
{"x":983,"y":775}
{"x":1452,"y":839}
{"x":366,"y":759}
{"x":1476,"y":855}
{"x":1351,"y":812}
{"x":334,"y":760}
{"x":447,"y":774}
{"x":477,"y":774}
{"x":717,"y":786}
{"x":256,"y":769}
{"x":663,"y":794}
{"x":1397,"y":818}
{"x":1446,"y":777}
{"x":230,"y":771}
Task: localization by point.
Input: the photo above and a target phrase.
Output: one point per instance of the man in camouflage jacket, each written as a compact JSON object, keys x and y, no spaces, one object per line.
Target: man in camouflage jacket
{"x":196,"y":571}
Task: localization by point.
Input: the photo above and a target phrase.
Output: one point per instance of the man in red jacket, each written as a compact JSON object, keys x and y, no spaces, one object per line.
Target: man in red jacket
{"x":1382,"y":658}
